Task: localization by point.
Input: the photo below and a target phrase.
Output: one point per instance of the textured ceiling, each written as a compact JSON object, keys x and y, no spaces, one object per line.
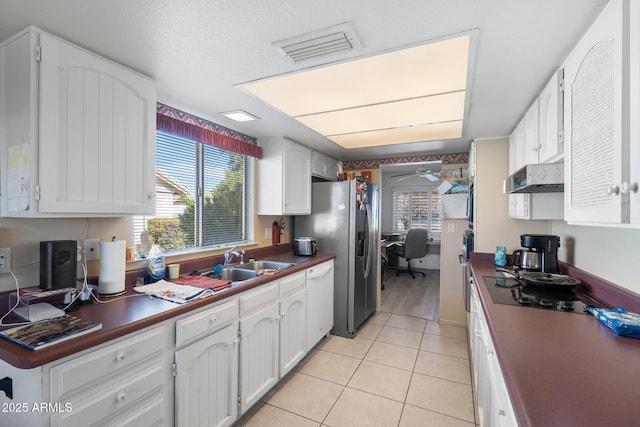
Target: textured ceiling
{"x":198,"y":51}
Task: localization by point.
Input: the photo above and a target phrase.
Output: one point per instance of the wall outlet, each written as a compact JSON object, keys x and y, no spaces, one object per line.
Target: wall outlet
{"x":5,"y":260}
{"x":268,"y":232}
{"x":91,"y":249}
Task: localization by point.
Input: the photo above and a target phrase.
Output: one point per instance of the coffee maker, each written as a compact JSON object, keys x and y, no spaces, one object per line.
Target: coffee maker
{"x":548,"y":245}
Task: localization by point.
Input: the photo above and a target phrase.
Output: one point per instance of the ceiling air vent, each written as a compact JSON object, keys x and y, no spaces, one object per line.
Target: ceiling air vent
{"x":319,"y":43}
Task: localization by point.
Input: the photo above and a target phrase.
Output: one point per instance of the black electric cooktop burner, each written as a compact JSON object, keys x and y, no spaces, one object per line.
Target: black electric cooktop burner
{"x":507,"y":290}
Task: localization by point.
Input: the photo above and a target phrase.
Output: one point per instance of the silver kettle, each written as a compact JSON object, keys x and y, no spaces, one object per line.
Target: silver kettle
{"x":527,"y":259}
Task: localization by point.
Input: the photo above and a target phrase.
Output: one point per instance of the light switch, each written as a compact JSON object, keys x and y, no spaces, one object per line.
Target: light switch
{"x":451,"y":227}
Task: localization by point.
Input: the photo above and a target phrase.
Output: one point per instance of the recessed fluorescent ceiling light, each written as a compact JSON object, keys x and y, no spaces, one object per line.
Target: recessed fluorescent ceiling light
{"x":240,"y":116}
{"x":409,"y":95}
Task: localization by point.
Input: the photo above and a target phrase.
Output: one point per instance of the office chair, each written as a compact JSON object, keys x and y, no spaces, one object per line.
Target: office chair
{"x":414,"y":246}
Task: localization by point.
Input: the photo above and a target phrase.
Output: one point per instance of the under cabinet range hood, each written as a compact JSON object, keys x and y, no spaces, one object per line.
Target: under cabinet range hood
{"x":538,"y":178}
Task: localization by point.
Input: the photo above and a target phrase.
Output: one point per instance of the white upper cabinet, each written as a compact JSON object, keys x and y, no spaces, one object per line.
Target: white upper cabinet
{"x":284,"y":178}
{"x":83,"y":140}
{"x":538,"y":137}
{"x":550,"y":120}
{"x":516,"y":148}
{"x":601,"y":89}
{"x":323,"y":166}
{"x":531,"y":144}
{"x":630,"y":188}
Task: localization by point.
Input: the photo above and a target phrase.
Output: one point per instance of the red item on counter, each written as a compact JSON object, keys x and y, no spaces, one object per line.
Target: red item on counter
{"x":204,"y":282}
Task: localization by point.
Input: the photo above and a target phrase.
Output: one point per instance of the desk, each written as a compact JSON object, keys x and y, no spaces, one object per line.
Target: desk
{"x":433,"y":248}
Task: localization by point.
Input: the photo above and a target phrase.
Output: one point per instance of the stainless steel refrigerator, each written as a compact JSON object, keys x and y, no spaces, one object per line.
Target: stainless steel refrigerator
{"x":344,"y":221}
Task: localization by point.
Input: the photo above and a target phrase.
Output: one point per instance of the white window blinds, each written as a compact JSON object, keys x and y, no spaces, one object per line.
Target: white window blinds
{"x":417,"y":208}
{"x":202,"y":196}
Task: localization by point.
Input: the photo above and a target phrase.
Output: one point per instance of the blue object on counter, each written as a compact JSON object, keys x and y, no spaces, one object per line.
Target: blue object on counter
{"x":619,"y":320}
{"x":218,"y":269}
{"x":501,"y":256}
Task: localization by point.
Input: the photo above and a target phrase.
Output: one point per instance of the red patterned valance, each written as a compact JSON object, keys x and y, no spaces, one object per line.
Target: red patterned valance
{"x":176,"y":122}
{"x":446,"y":159}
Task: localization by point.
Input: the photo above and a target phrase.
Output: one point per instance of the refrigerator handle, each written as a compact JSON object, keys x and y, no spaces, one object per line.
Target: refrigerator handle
{"x":367,"y":234}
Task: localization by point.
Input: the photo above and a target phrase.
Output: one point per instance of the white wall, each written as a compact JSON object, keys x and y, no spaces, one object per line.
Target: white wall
{"x":492,"y":224}
{"x":24,"y":237}
{"x":609,"y":253}
{"x":451,"y":274}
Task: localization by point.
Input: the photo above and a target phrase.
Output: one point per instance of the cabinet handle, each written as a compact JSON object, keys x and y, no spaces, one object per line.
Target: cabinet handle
{"x":629,"y":188}
{"x":121,"y":356}
{"x":614,"y":189}
{"x":151,"y":195}
{"x":121,"y":397}
{"x":213,"y":320}
{"x":501,"y":413}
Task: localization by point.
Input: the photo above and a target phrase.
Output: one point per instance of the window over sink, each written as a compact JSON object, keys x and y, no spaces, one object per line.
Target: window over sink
{"x":203,"y":197}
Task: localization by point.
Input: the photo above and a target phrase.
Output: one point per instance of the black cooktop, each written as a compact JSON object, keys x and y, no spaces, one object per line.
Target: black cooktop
{"x":507,"y":290}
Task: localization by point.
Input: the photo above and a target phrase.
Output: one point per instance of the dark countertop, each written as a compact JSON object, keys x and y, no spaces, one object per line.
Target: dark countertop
{"x":564,"y":369}
{"x":124,"y":316}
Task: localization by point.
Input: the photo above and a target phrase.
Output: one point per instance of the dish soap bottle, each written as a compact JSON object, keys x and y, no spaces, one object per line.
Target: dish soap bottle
{"x":156,"y":268}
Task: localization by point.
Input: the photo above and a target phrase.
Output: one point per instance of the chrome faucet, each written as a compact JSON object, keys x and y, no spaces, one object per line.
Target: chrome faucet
{"x":230,"y":253}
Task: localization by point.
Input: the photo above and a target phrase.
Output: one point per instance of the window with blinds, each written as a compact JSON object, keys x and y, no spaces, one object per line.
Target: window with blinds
{"x":202,"y":197}
{"x":417,"y":208}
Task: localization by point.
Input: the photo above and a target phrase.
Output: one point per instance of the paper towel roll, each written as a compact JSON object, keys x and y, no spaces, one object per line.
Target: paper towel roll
{"x":112,"y":267}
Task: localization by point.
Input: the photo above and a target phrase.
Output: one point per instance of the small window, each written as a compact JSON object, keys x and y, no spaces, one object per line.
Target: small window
{"x":202,"y":197}
{"x":417,"y":208}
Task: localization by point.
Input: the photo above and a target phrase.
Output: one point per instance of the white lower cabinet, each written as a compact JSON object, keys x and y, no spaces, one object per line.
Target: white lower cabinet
{"x":493,"y":402}
{"x":206,"y":368}
{"x":206,"y":383}
{"x":259,"y":314}
{"x":292,"y":295}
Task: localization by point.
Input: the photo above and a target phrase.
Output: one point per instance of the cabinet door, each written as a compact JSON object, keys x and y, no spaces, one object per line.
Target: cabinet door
{"x":207,"y":380}
{"x":519,"y":205}
{"x":293,"y":331}
{"x":97,"y":134}
{"x":550,"y":120}
{"x":516,"y":148}
{"x":530,"y":145}
{"x":258,"y":355}
{"x":19,"y":124}
{"x":632,"y":187}
{"x":296,"y":179}
{"x":319,"y":164}
{"x":593,"y":121}
{"x":319,"y":302}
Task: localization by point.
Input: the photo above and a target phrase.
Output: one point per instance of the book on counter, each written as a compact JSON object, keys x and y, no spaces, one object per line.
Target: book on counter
{"x":42,"y":334}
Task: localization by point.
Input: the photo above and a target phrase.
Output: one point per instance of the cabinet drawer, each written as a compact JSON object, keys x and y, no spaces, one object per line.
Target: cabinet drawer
{"x":260,"y":297}
{"x":292,"y":284}
{"x":118,"y":398}
{"x":105,"y":363}
{"x":153,"y":412}
{"x":205,"y":322}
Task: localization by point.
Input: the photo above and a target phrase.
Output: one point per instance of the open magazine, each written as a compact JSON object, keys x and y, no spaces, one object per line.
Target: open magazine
{"x":45,"y":333}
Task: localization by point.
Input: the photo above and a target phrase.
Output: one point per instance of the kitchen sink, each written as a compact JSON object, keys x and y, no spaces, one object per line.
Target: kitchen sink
{"x":236,"y":275}
{"x":264,"y":265}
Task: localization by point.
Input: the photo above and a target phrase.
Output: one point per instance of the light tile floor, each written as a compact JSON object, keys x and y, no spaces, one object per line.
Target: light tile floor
{"x":399,"y":371}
